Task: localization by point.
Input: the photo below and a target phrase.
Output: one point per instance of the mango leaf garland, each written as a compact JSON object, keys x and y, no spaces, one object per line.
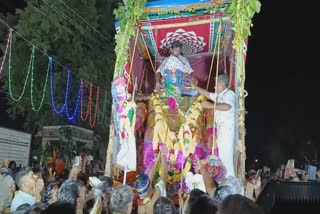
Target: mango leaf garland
{"x":129,"y":14}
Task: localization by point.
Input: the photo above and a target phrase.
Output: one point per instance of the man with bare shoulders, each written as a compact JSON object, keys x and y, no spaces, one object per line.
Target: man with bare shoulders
{"x":147,"y":196}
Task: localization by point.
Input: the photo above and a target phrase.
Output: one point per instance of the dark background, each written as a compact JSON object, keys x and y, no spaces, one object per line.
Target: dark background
{"x":281,"y":79}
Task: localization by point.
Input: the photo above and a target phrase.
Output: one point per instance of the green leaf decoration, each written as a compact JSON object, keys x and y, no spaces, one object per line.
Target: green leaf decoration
{"x":129,"y":13}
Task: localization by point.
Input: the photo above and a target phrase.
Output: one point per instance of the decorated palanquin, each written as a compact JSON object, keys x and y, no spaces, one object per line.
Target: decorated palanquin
{"x":174,"y":116}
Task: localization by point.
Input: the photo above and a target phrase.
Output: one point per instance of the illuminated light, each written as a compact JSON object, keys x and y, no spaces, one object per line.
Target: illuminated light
{"x":10,"y":73}
{"x":43,"y":90}
{"x":9,"y":40}
{"x":56,"y":110}
{"x":84,"y":118}
{"x":76,"y":109}
{"x":104,"y":116}
{"x":66,"y":99}
{"x":93,"y":123}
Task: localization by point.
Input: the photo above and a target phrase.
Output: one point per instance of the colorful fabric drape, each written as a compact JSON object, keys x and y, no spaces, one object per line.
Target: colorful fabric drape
{"x":196,"y":33}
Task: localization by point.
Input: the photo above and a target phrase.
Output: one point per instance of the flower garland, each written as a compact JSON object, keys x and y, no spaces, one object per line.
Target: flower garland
{"x":186,"y":139}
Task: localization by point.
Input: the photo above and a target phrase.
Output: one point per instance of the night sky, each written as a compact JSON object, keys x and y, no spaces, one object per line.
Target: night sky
{"x":282,"y":67}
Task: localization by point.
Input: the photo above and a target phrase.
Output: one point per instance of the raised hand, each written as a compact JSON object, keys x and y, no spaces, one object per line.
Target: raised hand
{"x":257,"y":183}
{"x":39,"y":185}
{"x":38,"y":189}
{"x":74,"y":172}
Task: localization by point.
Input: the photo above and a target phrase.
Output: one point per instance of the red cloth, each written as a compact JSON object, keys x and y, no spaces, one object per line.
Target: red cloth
{"x":198,"y":38}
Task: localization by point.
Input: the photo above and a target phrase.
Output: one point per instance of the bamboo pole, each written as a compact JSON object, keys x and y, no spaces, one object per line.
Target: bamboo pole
{"x":184,"y":24}
{"x":212,"y":59}
{"x":108,"y":167}
{"x":145,"y":45}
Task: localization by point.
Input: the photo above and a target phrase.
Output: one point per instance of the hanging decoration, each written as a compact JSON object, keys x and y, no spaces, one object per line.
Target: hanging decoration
{"x":241,"y":12}
{"x":65,"y":105}
{"x":92,"y":123}
{"x":76,"y":110}
{"x":10,"y":73}
{"x":128,"y":14}
{"x":84,"y":118}
{"x":58,"y":110}
{"x":9,"y":40}
{"x":43,"y":90}
{"x":183,"y":138}
{"x":104,"y":111}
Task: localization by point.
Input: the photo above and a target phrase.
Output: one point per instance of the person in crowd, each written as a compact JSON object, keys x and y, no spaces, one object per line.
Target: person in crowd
{"x":50,"y":194}
{"x":172,"y":63}
{"x":253,"y":184}
{"x":30,"y":188}
{"x":224,"y":105}
{"x":7,"y":188}
{"x":164,"y":205}
{"x":73,"y":192}
{"x":98,"y":198}
{"x":37,"y":208}
{"x":147,"y":196}
{"x":239,"y":204}
{"x":37,"y":171}
{"x":89,"y":204}
{"x":318,"y":176}
{"x":208,"y":181}
{"x":106,"y":189}
{"x":62,"y":177}
{"x":228,"y":186}
{"x":60,"y":207}
{"x":21,"y":209}
{"x":193,"y":197}
{"x":205,"y":205}
{"x":121,"y":200}
{"x":12,"y":168}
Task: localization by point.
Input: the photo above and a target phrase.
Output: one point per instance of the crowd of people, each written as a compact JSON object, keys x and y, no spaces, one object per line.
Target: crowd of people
{"x":35,"y":190}
{"x":30,"y":190}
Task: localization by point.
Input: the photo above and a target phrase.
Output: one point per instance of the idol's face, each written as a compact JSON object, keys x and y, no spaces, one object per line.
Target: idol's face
{"x":175,"y":51}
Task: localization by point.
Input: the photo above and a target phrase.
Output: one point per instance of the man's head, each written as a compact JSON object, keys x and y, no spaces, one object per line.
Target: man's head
{"x":194,"y":196}
{"x":72,"y":192}
{"x":239,"y":204}
{"x":12,"y":165}
{"x":222,"y":192}
{"x":50,"y":193}
{"x":60,"y":207}
{"x":228,"y":186}
{"x":106,"y":184}
{"x":121,"y":199}
{"x":164,"y":205}
{"x":223,"y":82}
{"x":26,"y":180}
{"x":176,"y":47}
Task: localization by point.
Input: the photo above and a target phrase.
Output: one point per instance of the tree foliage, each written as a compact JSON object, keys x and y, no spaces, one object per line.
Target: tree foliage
{"x":84,"y":43}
